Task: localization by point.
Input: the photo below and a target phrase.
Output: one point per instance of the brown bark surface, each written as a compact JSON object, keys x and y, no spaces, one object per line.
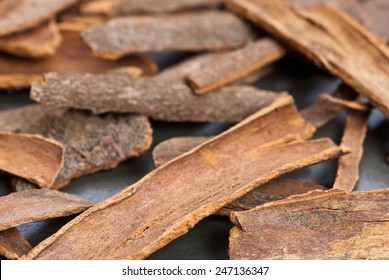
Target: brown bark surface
{"x":377,"y":13}
{"x":330,"y":39}
{"x":72,"y":56}
{"x":231,"y":66}
{"x":12,"y":244}
{"x":170,"y":200}
{"x":207,"y":31}
{"x":33,"y":205}
{"x":123,"y":7}
{"x":24,"y":14}
{"x":348,"y":165}
{"x":318,"y":225}
{"x":41,"y":41}
{"x":32,"y":157}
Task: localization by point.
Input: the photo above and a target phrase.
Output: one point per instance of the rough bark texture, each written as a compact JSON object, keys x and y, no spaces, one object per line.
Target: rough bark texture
{"x":72,"y":56}
{"x":173,"y":198}
{"x":318,"y":225}
{"x":231,"y":66}
{"x":377,"y":14}
{"x":92,"y":143}
{"x":33,"y":205}
{"x":41,"y":41}
{"x":32,"y":157}
{"x":24,"y":14}
{"x":348,"y":165}
{"x":161,"y":99}
{"x":123,"y":7}
{"x":12,"y":244}
{"x":208,"y":31}
{"x":331,"y":40}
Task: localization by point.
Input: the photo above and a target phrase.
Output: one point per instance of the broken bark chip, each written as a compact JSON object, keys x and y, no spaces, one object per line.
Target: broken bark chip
{"x":330,"y":39}
{"x":207,"y":31}
{"x":33,"y":205}
{"x":32,"y":157}
{"x":12,"y":244}
{"x":173,"y":198}
{"x":318,"y":225}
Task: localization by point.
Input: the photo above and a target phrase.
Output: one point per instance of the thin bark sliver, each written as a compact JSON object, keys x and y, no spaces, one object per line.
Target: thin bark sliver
{"x":12,"y":244}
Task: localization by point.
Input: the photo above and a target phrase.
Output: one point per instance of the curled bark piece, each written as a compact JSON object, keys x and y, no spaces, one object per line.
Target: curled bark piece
{"x":123,"y":7}
{"x":231,"y":66}
{"x":331,"y":40}
{"x":41,"y":41}
{"x":318,"y":225}
{"x":12,"y":244}
{"x":171,"y":199}
{"x":25,"y":14}
{"x":377,"y":14}
{"x":198,"y":32}
{"x":348,"y":165}
{"x":33,"y":205}
{"x":33,"y":157}
{"x":72,"y":56}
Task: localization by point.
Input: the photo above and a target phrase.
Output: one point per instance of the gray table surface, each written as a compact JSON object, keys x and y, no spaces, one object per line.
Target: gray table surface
{"x":209,"y":238}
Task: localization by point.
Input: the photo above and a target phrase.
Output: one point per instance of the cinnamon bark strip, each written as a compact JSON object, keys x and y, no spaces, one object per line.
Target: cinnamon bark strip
{"x":33,"y":205}
{"x":318,"y":225}
{"x":33,"y":157}
{"x":41,"y":41}
{"x":348,"y":165}
{"x":25,"y":14}
{"x":230,"y":66}
{"x":170,"y":200}
{"x":329,"y":38}
{"x":377,"y":15}
{"x":12,"y":244}
{"x":123,"y":7}
{"x":207,"y":31}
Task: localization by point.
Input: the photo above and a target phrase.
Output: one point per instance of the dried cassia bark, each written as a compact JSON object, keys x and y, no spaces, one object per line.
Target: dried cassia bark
{"x":12,"y":244}
{"x":214,"y":30}
{"x":167,"y":202}
{"x":318,"y":225}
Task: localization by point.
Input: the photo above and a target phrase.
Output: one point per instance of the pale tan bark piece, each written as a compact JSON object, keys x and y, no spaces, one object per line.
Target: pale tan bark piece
{"x":231,"y":66}
{"x":12,"y":244}
{"x":353,"y":137}
{"x":330,"y":39}
{"x":32,"y":157}
{"x":318,"y":225}
{"x":41,"y":41}
{"x":33,"y":205}
{"x":196,"y":32}
{"x":377,"y":15}
{"x":123,"y":7}
{"x":25,"y":14}
{"x":170,"y":200}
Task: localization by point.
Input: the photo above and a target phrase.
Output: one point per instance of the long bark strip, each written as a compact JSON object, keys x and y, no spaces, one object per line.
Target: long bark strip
{"x":25,"y":14}
{"x":12,"y":244}
{"x":348,"y":165}
{"x":170,"y":200}
{"x":231,"y":66}
{"x":318,"y":225}
{"x":207,"y":31}
{"x":41,"y":41}
{"x":330,"y":39}
{"x":33,"y":205}
{"x":124,"y":7}
{"x":32,"y":157}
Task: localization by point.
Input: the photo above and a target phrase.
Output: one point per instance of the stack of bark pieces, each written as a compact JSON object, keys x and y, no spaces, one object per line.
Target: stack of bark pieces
{"x":83,"y":63}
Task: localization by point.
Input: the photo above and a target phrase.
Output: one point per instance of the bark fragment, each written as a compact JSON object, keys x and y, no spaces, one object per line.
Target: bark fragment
{"x":207,"y":31}
{"x":331,"y":40}
{"x":33,"y":205}
{"x":171,"y":199}
{"x":41,"y":41}
{"x":377,"y":14}
{"x":33,"y":157}
{"x":12,"y":244}
{"x":231,"y":66}
{"x":348,"y":165}
{"x":25,"y":14}
{"x":318,"y":225}
{"x":123,"y":7}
